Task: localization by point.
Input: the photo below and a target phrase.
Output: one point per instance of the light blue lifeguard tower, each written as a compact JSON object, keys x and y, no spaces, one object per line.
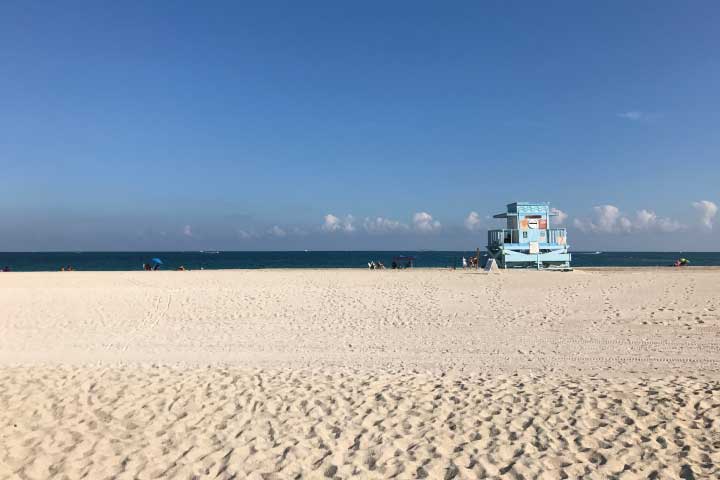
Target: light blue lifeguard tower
{"x":528,"y":241}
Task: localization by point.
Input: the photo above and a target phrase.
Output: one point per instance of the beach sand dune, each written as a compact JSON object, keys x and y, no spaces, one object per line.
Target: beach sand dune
{"x":360,"y":374}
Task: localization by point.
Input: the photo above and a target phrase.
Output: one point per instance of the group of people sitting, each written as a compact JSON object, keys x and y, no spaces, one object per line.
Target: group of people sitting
{"x":470,"y":262}
{"x":148,"y":267}
{"x":69,"y":268}
{"x":372,"y":265}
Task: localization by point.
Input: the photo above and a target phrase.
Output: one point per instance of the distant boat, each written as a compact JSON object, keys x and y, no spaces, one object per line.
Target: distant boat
{"x":209,"y":252}
{"x":598,"y":253}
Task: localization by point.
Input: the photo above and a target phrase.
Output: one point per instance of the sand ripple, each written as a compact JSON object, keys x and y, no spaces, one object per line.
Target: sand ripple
{"x":152,"y":422}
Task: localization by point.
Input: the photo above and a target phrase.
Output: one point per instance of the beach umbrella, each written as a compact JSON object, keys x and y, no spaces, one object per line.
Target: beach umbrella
{"x":157,"y":260}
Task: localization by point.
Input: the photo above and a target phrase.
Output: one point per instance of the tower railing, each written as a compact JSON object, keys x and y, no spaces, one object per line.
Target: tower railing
{"x":502,"y":236}
{"x":557,"y":236}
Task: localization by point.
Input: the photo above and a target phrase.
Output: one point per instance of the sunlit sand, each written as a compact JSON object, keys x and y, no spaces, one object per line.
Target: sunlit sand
{"x":371,"y":374}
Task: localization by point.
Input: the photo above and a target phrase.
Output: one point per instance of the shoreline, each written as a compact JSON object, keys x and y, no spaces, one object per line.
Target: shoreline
{"x":514,"y":271}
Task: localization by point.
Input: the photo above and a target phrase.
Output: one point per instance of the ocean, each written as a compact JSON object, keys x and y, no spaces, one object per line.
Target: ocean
{"x":119,"y":261}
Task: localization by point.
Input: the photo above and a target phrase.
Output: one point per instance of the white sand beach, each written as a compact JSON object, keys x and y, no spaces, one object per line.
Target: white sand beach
{"x":274,"y":374}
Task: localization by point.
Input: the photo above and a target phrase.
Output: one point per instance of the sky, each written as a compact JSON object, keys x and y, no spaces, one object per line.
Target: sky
{"x":332,"y":125}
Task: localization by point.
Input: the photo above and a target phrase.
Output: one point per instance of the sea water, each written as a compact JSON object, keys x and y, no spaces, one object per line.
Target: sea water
{"x":39,"y":261}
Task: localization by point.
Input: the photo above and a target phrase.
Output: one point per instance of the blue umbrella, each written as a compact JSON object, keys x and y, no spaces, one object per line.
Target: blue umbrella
{"x":157,"y":260}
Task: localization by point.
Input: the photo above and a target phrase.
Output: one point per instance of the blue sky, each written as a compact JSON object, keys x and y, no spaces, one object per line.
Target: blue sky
{"x":329,"y":125}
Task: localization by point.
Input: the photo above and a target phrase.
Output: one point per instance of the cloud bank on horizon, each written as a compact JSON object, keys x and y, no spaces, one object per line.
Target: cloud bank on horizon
{"x":603,"y":219}
{"x":422,"y":222}
{"x":609,"y":219}
{"x":604,"y":226}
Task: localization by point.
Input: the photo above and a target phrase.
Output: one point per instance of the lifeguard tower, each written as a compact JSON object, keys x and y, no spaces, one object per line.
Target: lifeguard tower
{"x":528,"y":241}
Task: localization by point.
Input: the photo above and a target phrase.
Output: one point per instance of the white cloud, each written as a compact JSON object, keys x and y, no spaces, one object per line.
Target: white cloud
{"x":606,"y":220}
{"x":473,"y":222}
{"x":648,"y":220}
{"x":609,"y":219}
{"x":276,"y":231}
{"x":246,"y":234}
{"x":423,"y":222}
{"x":187,"y":231}
{"x":645,"y":218}
{"x":632,"y":115}
{"x":708,"y":211}
{"x":665,"y":224}
{"x":382,"y":225}
{"x":560,"y":216}
{"x":334,"y":224}
{"x":331,"y":223}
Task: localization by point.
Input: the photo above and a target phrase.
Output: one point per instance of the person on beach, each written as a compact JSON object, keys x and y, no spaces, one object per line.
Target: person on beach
{"x":681,"y":262}
{"x":464,"y":261}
